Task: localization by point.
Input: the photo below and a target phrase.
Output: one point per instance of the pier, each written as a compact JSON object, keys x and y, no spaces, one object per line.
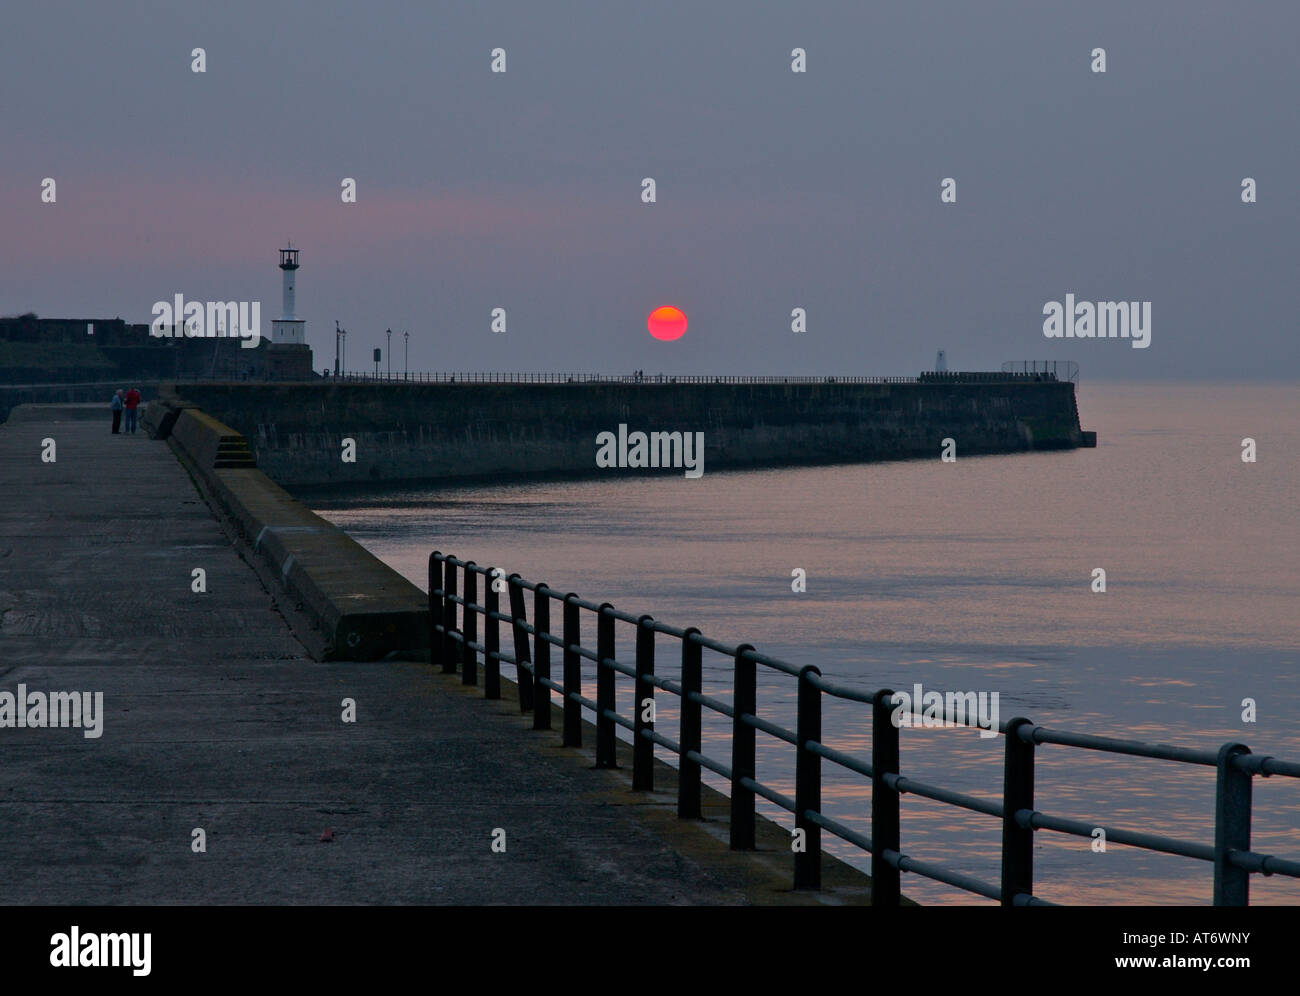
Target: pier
{"x":319,"y":720}
{"x":455,"y":426}
{"x":216,"y":718}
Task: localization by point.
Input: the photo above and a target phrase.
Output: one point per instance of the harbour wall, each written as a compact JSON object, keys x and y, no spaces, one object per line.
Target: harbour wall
{"x":355,"y":606}
{"x":408,"y":432}
{"x":90,"y":392}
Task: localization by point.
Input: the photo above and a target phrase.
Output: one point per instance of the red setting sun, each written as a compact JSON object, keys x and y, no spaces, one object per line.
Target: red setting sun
{"x":666,"y":323}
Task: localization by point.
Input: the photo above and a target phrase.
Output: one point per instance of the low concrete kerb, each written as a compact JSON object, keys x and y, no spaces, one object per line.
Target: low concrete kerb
{"x":362,"y":607}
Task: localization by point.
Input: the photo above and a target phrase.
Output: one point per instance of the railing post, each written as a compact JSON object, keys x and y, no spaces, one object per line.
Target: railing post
{"x":437,"y":608}
{"x":492,"y":643}
{"x":643,"y":748}
{"x":744,"y":700}
{"x":541,"y":657}
{"x":885,"y":886}
{"x":808,"y":782}
{"x":469,"y":667}
{"x":572,"y":673}
{"x":606,"y":757}
{"x":1017,"y":795}
{"x":1232,"y":801}
{"x":688,"y":771}
{"x":449,"y":620}
{"x":522,"y":661}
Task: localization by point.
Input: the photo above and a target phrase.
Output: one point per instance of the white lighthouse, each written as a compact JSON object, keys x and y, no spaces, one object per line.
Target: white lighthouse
{"x":288,"y":357}
{"x":288,"y":330}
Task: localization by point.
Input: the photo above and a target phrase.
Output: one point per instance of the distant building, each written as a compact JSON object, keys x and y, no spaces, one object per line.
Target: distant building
{"x":67,"y":350}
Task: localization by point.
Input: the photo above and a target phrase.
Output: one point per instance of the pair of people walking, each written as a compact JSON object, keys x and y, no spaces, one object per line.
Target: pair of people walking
{"x":128,"y":402}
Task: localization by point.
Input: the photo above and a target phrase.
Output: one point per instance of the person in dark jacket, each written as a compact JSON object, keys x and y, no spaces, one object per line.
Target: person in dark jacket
{"x":117,"y":405}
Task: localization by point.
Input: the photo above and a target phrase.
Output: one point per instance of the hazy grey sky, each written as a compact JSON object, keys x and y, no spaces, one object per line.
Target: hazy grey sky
{"x":776,"y":190}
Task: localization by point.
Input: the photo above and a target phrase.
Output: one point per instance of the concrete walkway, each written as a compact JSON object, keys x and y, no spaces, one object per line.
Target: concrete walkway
{"x":215,"y":718}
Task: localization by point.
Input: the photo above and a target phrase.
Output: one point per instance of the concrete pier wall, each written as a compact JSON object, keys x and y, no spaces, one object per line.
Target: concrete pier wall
{"x":91,"y":392}
{"x":358,"y":607}
{"x":442,"y":431}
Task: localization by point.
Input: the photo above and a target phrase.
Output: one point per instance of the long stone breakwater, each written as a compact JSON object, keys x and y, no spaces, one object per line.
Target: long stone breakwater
{"x":299,"y":433}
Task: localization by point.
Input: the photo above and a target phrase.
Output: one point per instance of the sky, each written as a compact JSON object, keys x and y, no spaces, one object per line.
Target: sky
{"x":775,"y":190}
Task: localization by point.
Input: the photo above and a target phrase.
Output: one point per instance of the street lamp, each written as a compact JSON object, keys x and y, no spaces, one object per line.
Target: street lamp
{"x":390,"y":354}
{"x":337,"y":333}
{"x":407,"y":355}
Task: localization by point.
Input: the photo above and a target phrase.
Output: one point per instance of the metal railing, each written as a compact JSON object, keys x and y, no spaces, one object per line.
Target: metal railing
{"x":452,"y":645}
{"x":983,"y":377}
{"x":482,"y":377}
{"x":1058,"y":369}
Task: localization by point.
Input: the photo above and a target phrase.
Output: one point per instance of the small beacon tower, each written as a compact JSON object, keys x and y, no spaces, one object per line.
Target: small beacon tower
{"x":288,"y":355}
{"x":288,"y":331}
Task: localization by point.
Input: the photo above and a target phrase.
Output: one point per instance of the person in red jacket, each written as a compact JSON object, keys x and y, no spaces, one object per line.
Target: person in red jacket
{"x":131,"y":402}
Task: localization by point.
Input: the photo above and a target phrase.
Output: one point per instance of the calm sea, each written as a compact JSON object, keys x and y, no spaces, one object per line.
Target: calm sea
{"x":967,"y":576}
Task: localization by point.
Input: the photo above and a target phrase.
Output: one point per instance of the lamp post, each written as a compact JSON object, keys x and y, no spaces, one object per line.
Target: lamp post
{"x":337,"y":333}
{"x":344,"y":333}
{"x":390,"y":354}
{"x":406,"y":354}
